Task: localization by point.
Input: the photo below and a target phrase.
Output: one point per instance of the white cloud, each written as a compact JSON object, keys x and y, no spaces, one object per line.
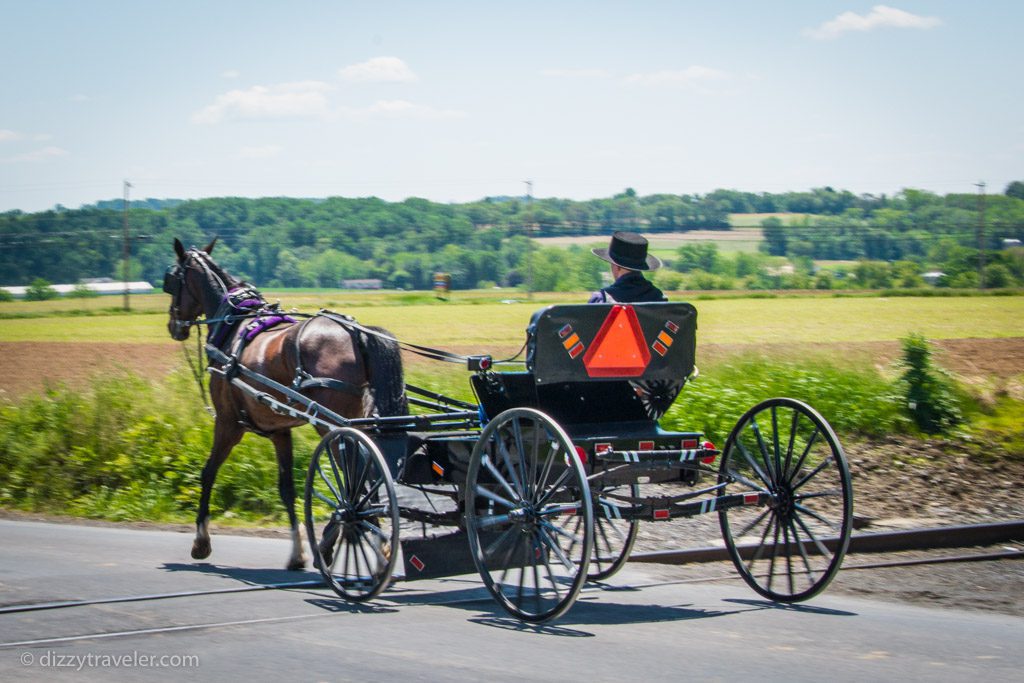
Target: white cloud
{"x":575,"y":73}
{"x":403,"y":109}
{"x":41,"y":154}
{"x":9,"y":135}
{"x":880,"y":16}
{"x":80,"y":97}
{"x":230,"y":73}
{"x":299,"y":100}
{"x":681,"y":77}
{"x":260,"y":152}
{"x":378,"y":70}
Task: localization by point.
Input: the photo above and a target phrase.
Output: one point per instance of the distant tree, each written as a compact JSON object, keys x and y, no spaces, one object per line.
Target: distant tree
{"x":5,"y":295}
{"x":1015,"y":189}
{"x":696,"y":256}
{"x":775,"y":240}
{"x":40,"y":290}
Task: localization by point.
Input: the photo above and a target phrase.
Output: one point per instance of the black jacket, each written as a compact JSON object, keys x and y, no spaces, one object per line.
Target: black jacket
{"x":629,"y":289}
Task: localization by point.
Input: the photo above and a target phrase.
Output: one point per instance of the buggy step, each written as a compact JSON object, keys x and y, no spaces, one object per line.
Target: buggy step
{"x":666,"y":456}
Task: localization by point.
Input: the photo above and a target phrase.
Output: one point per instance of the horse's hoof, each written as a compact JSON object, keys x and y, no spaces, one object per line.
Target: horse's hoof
{"x":201,"y":550}
{"x":296,"y":565}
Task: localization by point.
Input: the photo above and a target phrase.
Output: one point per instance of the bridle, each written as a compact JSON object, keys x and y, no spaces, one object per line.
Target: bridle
{"x":176,"y":282}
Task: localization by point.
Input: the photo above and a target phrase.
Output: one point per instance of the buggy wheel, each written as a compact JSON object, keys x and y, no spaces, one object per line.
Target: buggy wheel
{"x":528,"y":514}
{"x":351,"y":514}
{"x":785,"y":456}
{"x":613,"y":536}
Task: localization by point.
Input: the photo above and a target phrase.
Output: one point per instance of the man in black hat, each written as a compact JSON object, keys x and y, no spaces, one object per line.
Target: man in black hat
{"x":628,"y":255}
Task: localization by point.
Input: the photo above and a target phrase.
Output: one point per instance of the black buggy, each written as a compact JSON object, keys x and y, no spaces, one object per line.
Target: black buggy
{"x":541,"y":486}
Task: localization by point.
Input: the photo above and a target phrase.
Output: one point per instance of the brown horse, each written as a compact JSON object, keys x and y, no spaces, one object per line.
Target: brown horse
{"x":352,"y":373}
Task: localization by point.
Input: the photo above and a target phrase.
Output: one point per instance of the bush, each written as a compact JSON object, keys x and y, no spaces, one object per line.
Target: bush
{"x":931,"y":397}
{"x":5,"y":295}
{"x":130,"y":449}
{"x":40,"y":290}
{"x":81,"y":291}
{"x":853,"y":401}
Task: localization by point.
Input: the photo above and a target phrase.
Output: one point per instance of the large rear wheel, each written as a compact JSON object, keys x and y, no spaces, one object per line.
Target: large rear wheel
{"x":529,"y":515}
{"x":789,"y":542}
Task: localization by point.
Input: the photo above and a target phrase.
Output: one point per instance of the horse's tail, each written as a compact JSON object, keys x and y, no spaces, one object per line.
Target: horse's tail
{"x":387,"y":379}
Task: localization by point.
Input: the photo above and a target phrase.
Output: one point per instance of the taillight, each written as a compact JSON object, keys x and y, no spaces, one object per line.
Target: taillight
{"x":582,"y":453}
{"x":708,"y":446}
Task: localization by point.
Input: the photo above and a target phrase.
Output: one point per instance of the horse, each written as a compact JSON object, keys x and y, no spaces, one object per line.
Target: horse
{"x":351,"y":372}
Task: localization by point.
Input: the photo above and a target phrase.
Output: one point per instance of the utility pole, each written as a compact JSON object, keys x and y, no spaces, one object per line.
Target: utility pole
{"x":126,"y":252}
{"x":529,"y":243}
{"x":981,"y":234}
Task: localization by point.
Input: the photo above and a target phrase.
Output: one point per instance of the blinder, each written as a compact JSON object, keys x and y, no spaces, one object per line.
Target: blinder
{"x":173,"y":280}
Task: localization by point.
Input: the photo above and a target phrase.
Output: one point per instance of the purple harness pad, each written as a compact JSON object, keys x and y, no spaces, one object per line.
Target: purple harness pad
{"x":262,"y":324}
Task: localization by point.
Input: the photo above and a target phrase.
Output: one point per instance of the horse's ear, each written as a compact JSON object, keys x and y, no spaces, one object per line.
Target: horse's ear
{"x":209,"y":247}
{"x":179,"y":249}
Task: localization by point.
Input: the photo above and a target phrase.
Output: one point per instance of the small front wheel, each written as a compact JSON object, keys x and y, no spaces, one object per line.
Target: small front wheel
{"x":789,"y":542}
{"x":529,"y":515}
{"x":351,"y":515}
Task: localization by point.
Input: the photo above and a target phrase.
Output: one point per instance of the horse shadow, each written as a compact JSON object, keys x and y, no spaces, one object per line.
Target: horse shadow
{"x":265,"y":577}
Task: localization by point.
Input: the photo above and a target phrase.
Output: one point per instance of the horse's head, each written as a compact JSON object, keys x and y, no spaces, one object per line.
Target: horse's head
{"x":193,"y":281}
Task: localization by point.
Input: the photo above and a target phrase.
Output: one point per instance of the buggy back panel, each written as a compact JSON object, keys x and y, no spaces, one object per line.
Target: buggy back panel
{"x":569,"y":403}
{"x":594,"y":342}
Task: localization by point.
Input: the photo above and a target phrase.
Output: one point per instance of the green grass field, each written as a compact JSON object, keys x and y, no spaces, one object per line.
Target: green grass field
{"x":475,"y":321}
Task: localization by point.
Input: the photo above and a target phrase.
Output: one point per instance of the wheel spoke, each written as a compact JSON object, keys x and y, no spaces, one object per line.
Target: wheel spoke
{"x":486,"y":462}
{"x":777,"y":457}
{"x":559,"y":483}
{"x":807,"y":450}
{"x":493,"y":547}
{"x":757,"y":520}
{"x":807,"y":511}
{"x":765,"y":456}
{"x":506,"y":457}
{"x":753,"y":465}
{"x":825,"y":552}
{"x":822,"y":465}
{"x":803,"y":552}
{"x":789,"y":447}
{"x":492,"y":496}
{"x":556,"y":549}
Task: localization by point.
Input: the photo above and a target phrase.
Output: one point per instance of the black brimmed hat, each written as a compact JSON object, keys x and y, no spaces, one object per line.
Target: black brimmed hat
{"x":628,"y":250}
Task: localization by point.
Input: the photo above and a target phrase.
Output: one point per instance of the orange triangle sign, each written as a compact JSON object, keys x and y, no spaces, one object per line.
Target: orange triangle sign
{"x":619,"y":349}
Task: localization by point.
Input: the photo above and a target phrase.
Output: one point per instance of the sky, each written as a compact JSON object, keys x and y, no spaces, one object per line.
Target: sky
{"x":456,"y":101}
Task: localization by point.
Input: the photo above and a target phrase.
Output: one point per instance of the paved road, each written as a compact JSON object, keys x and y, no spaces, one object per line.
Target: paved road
{"x":644,"y":628}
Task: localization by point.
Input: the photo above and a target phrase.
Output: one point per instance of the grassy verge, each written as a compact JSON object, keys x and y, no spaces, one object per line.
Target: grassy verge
{"x":129,"y":449}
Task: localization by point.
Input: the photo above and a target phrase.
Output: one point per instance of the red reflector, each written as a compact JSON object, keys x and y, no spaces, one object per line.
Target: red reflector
{"x":417,"y":562}
{"x":673,"y":328}
{"x":576,"y":351}
{"x":564,"y":332}
{"x":661,"y":514}
{"x":708,"y":446}
{"x":689,"y":443}
{"x":619,"y":349}
{"x":602,"y":447}
{"x":582,"y":453}
{"x":750,"y":498}
{"x":646,"y":446}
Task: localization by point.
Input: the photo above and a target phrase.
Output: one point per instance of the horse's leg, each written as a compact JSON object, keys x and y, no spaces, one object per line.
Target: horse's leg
{"x":226,"y":436}
{"x":286,"y":486}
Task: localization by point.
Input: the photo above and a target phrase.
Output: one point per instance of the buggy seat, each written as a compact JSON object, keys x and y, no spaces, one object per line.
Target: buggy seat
{"x":597,"y":363}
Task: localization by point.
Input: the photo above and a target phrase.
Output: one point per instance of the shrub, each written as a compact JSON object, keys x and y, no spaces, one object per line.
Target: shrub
{"x":81,"y":291}
{"x":931,"y":398}
{"x":40,"y":290}
{"x":5,"y":295}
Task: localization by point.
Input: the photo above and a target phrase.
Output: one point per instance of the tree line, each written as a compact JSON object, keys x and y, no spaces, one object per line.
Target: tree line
{"x":289,"y":242}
